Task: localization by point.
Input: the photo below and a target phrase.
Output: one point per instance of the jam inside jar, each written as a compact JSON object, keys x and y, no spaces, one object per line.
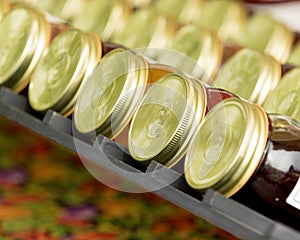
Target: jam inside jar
{"x":274,"y":190}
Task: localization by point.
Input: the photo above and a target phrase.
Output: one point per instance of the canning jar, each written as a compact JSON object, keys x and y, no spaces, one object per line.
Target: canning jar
{"x":106,"y":18}
{"x":227,"y":18}
{"x":265,"y":34}
{"x":168,"y":116}
{"x":285,"y":98}
{"x":65,"y":65}
{"x":160,"y":30}
{"x":194,"y":50}
{"x":24,"y":34}
{"x":182,"y":11}
{"x":249,"y":74}
{"x":242,"y":152}
{"x":111,"y":94}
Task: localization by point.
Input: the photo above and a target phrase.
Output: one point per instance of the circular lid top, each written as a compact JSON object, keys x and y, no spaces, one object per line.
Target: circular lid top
{"x":285,"y":98}
{"x":224,"y":17}
{"x":170,"y":8}
{"x":265,"y":34}
{"x":247,"y":72}
{"x":94,"y":16}
{"x":42,"y":38}
{"x":203,"y":46}
{"x":59,"y":72}
{"x":227,"y":147}
{"x":160,"y":120}
{"x":65,"y":9}
{"x":106,"y":102}
{"x":117,"y":20}
{"x":95,"y":54}
{"x":17,"y":32}
{"x":134,"y":35}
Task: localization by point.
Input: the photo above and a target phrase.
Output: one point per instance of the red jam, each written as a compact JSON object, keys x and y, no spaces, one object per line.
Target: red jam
{"x":274,"y":181}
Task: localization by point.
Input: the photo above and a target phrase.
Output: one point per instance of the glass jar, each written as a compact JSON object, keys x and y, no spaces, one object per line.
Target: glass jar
{"x":249,"y":74}
{"x":227,"y":18}
{"x":109,"y":98}
{"x":194,"y":50}
{"x":168,"y":116}
{"x":160,"y":30}
{"x":106,"y":18}
{"x":24,"y":34}
{"x":182,"y":11}
{"x":244,"y":153}
{"x":285,"y":98}
{"x":265,"y":34}
{"x":66,"y":64}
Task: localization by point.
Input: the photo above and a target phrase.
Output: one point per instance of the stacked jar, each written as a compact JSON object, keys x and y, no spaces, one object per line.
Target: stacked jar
{"x":25,"y":33}
{"x":243,"y":152}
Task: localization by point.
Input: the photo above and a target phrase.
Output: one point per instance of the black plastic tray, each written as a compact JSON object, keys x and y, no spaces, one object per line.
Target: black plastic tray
{"x":225,"y":213}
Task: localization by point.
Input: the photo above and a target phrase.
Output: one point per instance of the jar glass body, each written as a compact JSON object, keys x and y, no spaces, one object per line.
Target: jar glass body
{"x":274,"y":181}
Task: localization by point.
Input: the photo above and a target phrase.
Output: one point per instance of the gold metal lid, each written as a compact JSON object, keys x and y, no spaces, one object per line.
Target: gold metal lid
{"x":109,"y":97}
{"x":95,"y":54}
{"x":225,"y":17}
{"x":227,"y":147}
{"x":64,"y":9}
{"x":294,"y":58}
{"x":59,"y":72}
{"x":265,"y":34}
{"x":20,"y":33}
{"x":285,"y":98}
{"x":159,"y":30}
{"x":39,"y":45}
{"x":106,"y":18}
{"x":117,"y":21}
{"x":165,"y":120}
{"x":203,"y":46}
{"x":170,"y":8}
{"x":190,"y":11}
{"x":249,"y":74}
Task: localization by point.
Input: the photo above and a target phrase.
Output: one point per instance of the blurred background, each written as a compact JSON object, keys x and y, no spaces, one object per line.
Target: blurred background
{"x":46,"y":193}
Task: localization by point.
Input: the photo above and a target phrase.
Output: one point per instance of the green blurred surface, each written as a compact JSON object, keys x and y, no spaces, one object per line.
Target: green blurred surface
{"x":46,"y":193}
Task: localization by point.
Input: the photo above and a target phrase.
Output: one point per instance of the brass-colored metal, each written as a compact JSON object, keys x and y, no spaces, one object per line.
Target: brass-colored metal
{"x":195,"y":51}
{"x":106,"y":18}
{"x":23,"y":37}
{"x":228,"y":147}
{"x":117,"y":20}
{"x":159,"y":30}
{"x":249,"y":74}
{"x":95,"y":55}
{"x":227,"y":18}
{"x":166,"y":119}
{"x":38,"y":46}
{"x":65,"y":9}
{"x":60,"y":71}
{"x":111,"y":94}
{"x":265,"y":34}
{"x":182,"y":11}
{"x":285,"y":98}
